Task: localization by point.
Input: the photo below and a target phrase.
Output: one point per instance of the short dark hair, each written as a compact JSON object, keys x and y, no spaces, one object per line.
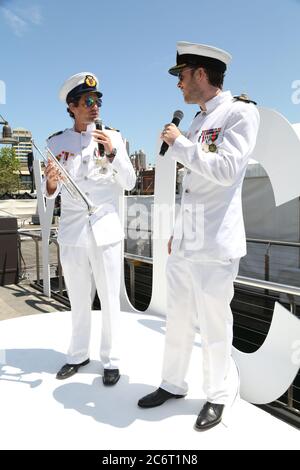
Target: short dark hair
{"x":75,"y":101}
{"x":214,"y":78}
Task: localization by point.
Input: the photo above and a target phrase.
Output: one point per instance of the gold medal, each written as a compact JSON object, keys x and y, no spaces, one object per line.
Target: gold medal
{"x":212,"y":148}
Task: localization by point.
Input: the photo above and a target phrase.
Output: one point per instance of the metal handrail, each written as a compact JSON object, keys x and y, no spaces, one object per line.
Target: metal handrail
{"x":248,"y":281}
{"x":25,"y":230}
{"x":273,"y":286}
{"x":144,"y":259}
{"x":267,"y":255}
{"x":273,"y":242}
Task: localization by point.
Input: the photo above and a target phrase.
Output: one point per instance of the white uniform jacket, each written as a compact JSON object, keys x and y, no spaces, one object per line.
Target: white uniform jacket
{"x":100,"y":180}
{"x":215,"y":153}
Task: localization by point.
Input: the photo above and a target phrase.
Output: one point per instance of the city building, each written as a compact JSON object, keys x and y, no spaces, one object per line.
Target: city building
{"x":22,"y":149}
{"x":139,"y":161}
{"x":24,"y":145}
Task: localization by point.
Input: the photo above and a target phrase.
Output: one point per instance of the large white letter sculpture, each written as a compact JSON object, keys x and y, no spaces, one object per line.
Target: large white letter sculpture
{"x":267,"y":373}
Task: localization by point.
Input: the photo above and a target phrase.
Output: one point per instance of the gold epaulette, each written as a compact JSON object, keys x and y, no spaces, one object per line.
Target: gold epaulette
{"x":245,"y":98}
{"x":111,"y":129}
{"x":55,"y":133}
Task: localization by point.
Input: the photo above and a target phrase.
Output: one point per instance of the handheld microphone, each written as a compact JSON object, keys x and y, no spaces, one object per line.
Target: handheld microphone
{"x":98,"y":123}
{"x":177,"y":116}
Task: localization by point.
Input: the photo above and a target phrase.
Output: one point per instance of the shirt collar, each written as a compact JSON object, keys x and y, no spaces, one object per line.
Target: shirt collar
{"x":90,"y":127}
{"x":216,"y":101}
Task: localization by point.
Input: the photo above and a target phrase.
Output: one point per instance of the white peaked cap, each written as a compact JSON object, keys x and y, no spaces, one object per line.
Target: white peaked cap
{"x":78,"y":84}
{"x":191,"y":54}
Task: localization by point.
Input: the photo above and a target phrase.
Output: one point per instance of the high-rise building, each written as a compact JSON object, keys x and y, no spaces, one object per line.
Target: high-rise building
{"x":24,"y":145}
{"x":142,"y":160}
{"x":22,"y":149}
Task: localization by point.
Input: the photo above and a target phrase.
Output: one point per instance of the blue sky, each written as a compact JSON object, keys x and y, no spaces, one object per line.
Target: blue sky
{"x":130,"y":45}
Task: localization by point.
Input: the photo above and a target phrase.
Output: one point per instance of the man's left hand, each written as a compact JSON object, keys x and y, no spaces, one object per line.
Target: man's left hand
{"x":170,"y":133}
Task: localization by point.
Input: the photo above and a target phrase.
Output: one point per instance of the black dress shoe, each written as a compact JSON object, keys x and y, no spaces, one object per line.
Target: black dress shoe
{"x":209,"y":416}
{"x":157,"y":398}
{"x":69,"y":369}
{"x":111,"y":376}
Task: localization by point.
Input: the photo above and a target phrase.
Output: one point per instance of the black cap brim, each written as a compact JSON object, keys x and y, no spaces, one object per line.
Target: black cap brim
{"x":175,"y":71}
{"x":78,"y":93}
{"x":192,"y":60}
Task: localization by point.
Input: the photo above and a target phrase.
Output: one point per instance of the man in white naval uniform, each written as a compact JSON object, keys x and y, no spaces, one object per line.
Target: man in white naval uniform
{"x":209,"y":238}
{"x":90,"y":246}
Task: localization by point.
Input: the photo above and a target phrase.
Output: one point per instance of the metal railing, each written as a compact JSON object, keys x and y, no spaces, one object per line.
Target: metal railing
{"x":267,"y":254}
{"x":273,"y":242}
{"x":260,"y":241}
{"x":36,"y":239}
{"x":134,"y":259}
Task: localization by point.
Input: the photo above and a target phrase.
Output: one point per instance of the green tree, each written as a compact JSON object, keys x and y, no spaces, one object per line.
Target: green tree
{"x":9,"y":170}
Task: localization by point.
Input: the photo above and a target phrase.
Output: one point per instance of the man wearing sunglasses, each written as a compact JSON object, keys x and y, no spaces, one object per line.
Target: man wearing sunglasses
{"x":209,"y":237}
{"x":90,"y":247}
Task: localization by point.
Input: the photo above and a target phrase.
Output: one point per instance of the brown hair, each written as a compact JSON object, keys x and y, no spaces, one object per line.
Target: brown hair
{"x":214,"y":78}
{"x":75,"y":101}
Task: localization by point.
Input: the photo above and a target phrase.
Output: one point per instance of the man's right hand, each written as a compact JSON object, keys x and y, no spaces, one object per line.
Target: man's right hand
{"x":170,"y":245}
{"x":53,"y":176}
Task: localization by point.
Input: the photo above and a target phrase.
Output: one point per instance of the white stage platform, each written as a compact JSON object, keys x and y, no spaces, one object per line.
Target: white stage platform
{"x":39,"y":412}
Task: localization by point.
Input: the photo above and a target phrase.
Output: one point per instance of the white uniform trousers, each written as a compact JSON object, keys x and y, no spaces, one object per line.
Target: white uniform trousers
{"x":199,"y":294}
{"x":104,"y":264}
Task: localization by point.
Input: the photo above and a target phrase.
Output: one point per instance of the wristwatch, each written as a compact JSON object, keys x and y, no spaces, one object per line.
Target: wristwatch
{"x":112,"y":154}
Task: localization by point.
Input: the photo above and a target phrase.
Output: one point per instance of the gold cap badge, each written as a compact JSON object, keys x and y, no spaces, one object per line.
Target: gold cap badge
{"x":90,"y":81}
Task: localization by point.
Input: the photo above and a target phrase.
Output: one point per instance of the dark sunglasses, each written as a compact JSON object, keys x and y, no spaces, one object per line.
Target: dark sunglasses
{"x":90,"y":101}
{"x":181,"y":76}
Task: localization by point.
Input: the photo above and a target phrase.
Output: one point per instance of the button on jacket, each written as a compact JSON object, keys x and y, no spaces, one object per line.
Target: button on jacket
{"x":101,"y":181}
{"x":210,"y":223}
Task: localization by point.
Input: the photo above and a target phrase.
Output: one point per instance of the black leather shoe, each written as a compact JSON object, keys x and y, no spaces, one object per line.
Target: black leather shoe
{"x":209,"y":416}
{"x":157,"y":398}
{"x":111,"y":376}
{"x":70,"y":369}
